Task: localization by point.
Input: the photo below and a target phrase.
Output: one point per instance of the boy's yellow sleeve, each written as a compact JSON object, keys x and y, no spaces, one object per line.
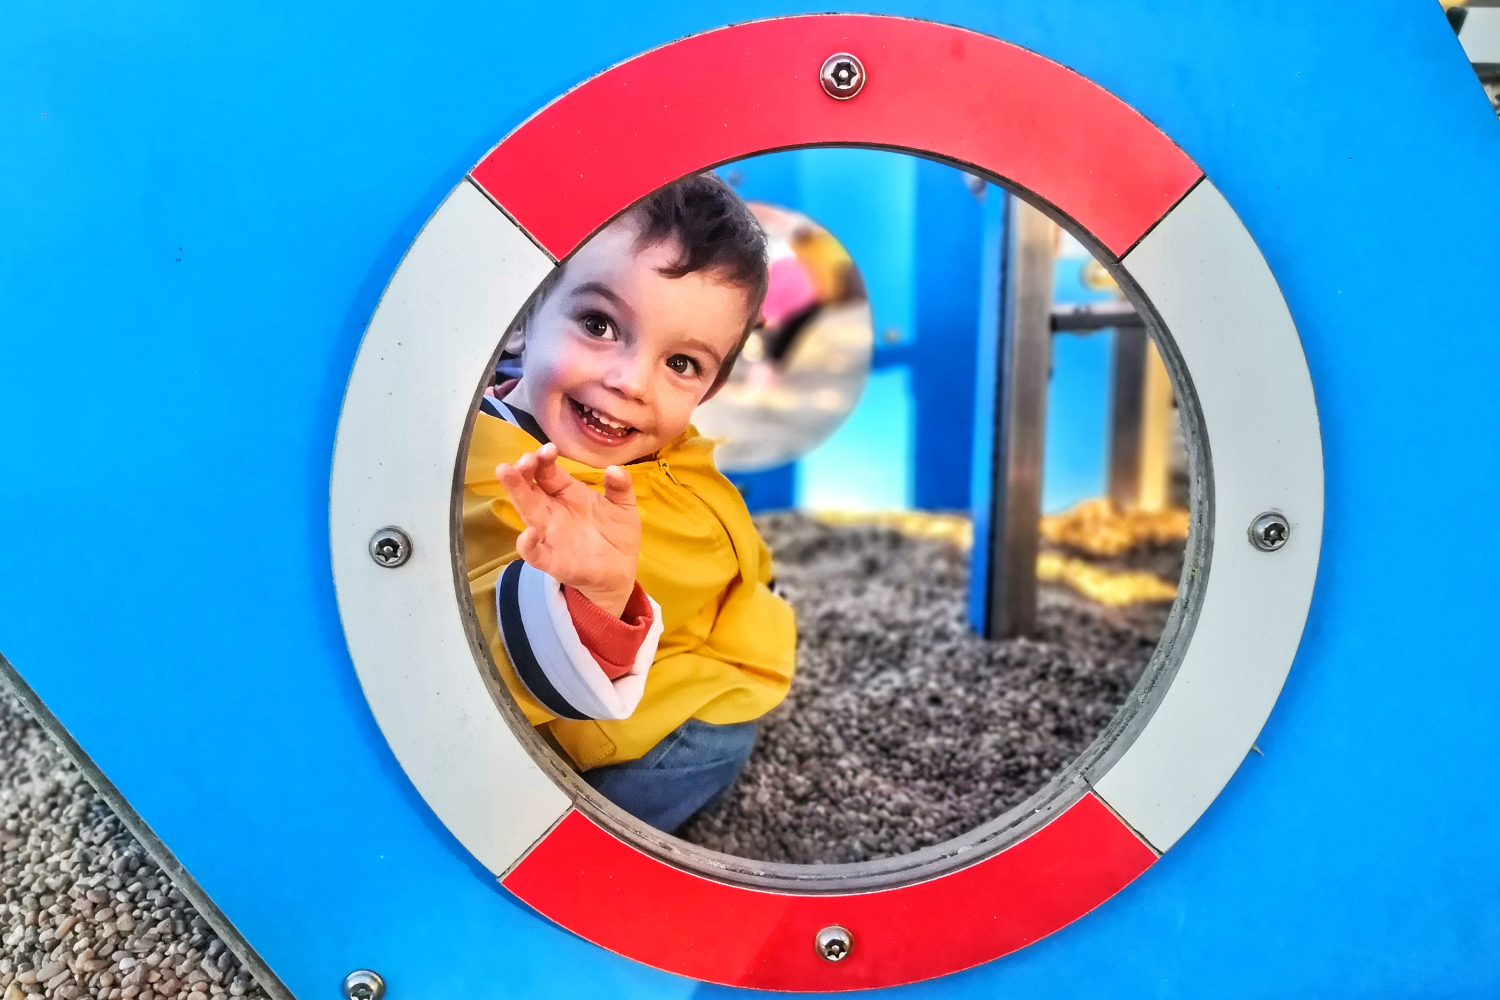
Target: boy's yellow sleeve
{"x":731,"y":660}
{"x":725,"y":661}
{"x":491,"y":526}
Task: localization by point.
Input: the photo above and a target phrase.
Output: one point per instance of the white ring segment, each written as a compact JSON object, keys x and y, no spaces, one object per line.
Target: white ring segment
{"x":466,"y":277}
{"x":1480,"y":35}
{"x":1207,"y":280}
{"x":445,"y":310}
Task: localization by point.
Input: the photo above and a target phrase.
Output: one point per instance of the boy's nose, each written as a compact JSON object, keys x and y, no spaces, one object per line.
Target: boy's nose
{"x":628,"y":376}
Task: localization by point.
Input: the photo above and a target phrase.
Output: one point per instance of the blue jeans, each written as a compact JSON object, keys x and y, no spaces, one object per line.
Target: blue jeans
{"x":691,"y":769}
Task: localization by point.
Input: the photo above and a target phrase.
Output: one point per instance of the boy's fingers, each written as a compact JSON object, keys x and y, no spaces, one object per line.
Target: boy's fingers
{"x":511,"y":478}
{"x":528,"y":545}
{"x":618,"y":488}
{"x":534,"y":545}
{"x":545,"y":458}
{"x":507,"y":476}
{"x":551,"y":477}
{"x":524,"y":496}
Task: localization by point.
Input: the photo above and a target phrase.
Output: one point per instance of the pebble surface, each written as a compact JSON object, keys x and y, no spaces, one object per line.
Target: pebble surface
{"x":86,"y":912}
{"x":902,"y":728}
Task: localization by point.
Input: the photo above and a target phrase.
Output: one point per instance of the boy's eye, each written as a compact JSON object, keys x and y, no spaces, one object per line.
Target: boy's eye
{"x":684,"y":365}
{"x":599,"y":326}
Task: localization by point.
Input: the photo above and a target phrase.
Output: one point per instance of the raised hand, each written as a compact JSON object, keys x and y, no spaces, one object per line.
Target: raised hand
{"x":573,"y":534}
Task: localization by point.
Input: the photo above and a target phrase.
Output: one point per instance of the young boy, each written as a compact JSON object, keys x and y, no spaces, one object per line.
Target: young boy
{"x":628,"y":608}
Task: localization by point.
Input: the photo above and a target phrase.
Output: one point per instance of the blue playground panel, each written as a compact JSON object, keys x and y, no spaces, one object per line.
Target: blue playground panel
{"x":203,"y":204}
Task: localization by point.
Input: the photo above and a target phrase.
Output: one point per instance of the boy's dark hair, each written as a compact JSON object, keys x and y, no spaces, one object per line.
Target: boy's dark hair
{"x":714,"y":230}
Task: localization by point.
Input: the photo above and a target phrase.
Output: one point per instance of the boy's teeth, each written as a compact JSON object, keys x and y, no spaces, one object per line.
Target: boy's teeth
{"x":607,"y":422}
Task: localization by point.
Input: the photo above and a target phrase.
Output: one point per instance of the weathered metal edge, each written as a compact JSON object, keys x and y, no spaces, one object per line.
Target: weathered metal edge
{"x":141,"y":830}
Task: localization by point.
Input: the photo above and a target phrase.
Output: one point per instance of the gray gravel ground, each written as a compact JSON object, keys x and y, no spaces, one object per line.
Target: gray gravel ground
{"x":86,"y":912}
{"x":903,"y":729}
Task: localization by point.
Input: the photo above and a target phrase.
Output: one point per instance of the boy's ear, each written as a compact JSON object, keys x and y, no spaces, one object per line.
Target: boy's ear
{"x":515,"y":341}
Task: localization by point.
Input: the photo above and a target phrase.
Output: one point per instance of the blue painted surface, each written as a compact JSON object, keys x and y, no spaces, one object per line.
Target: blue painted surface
{"x":204,"y":202}
{"x":866,"y":465}
{"x":1076,"y":453}
{"x":868,"y":199}
{"x":995,"y":215}
{"x":768,"y":489}
{"x":945,"y":347}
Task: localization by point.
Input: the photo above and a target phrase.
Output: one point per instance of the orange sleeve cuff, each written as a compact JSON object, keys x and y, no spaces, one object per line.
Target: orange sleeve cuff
{"x":612,"y":642}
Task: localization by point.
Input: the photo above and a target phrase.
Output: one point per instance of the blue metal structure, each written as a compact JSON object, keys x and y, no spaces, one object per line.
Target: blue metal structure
{"x":996,"y":217}
{"x":202,"y":206}
{"x":913,"y":227}
{"x":916,"y":229}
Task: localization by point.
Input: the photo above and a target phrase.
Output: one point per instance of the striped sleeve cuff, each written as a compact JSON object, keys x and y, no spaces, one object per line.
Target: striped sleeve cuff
{"x":613,"y":641}
{"x":552,"y":661}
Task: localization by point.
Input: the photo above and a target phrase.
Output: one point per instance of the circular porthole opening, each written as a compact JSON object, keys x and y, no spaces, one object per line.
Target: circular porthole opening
{"x":916,"y":728}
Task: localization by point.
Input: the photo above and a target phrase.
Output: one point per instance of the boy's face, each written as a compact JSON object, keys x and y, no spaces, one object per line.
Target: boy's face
{"x":619,"y":355}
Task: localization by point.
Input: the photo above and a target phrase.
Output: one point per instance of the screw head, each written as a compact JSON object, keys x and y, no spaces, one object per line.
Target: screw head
{"x":834,"y":943}
{"x":1269,"y":531}
{"x":842,"y":76}
{"x":363,"y":984}
{"x":390,"y":547}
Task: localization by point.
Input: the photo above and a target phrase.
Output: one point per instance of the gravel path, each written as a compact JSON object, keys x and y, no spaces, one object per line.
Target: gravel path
{"x":903,"y":729}
{"x":86,"y":912}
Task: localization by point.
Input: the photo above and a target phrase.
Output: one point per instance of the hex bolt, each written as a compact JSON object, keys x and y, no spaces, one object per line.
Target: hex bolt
{"x":363,"y":984}
{"x":834,"y":943}
{"x":390,"y":547}
{"x":842,"y":76}
{"x":1269,"y":531}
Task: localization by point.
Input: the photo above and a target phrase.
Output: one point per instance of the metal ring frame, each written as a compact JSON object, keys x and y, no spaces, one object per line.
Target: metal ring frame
{"x":1183,"y":258}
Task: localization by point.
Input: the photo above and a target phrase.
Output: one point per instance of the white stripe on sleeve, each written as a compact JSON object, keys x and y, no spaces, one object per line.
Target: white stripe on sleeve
{"x":573,"y":673}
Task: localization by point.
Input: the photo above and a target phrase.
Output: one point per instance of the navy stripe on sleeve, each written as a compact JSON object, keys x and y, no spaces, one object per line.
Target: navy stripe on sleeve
{"x":528,"y":423}
{"x":513,"y":631}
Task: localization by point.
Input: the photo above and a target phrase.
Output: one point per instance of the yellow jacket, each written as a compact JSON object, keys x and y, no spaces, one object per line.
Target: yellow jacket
{"x":728,"y":645}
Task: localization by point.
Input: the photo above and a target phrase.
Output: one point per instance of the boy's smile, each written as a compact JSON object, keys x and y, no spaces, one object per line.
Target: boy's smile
{"x":609,"y":432}
{"x":619,"y":354}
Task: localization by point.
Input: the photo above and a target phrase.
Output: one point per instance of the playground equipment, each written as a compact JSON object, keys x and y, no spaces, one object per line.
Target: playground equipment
{"x":801,"y":374}
{"x":370,"y":838}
